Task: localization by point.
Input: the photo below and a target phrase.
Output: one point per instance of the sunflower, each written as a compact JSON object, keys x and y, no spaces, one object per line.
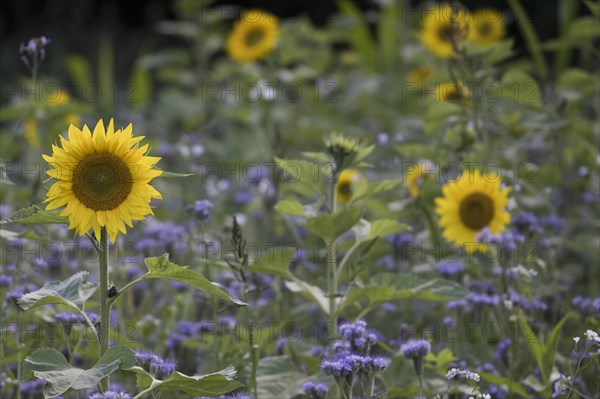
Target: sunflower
{"x":102,"y":179}
{"x":438,"y":30}
{"x":416,"y":174}
{"x":451,"y":92}
{"x":487,"y":27}
{"x":419,"y":74}
{"x":470,"y":204}
{"x":55,"y":98}
{"x":344,"y":184}
{"x":254,"y":36}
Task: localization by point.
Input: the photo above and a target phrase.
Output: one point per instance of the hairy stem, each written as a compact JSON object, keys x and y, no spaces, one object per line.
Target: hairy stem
{"x":104,"y":304}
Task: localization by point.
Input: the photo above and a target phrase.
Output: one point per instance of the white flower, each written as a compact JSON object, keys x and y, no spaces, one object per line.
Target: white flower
{"x":592,"y":336}
{"x":576,"y":339}
{"x":452,"y":373}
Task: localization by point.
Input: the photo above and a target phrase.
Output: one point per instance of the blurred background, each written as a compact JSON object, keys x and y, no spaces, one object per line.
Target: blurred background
{"x":75,"y":25}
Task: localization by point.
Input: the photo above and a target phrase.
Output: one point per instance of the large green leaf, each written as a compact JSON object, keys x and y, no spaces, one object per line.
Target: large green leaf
{"x":72,"y":292}
{"x":212,"y":385}
{"x":363,"y":189}
{"x":386,"y":227}
{"x":162,"y":268}
{"x":36,"y":215}
{"x":387,"y":287}
{"x":278,"y":377}
{"x":330,"y":226}
{"x":290,"y":207}
{"x":275,"y":263}
{"x":50,"y":365}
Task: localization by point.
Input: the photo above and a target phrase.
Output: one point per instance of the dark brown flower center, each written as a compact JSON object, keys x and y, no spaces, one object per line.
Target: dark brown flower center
{"x":476,"y":211}
{"x":254,"y":36}
{"x":445,"y":33}
{"x":344,"y":188}
{"x":484,"y":29}
{"x":102,"y":181}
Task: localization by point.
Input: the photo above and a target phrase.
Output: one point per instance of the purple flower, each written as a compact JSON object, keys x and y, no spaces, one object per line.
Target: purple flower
{"x":416,"y":348}
{"x":203,"y":209}
{"x":316,"y":391}
{"x":449,"y":268}
{"x":68,"y":318}
{"x":32,"y":388}
{"x":5,"y":281}
{"x":110,"y":395}
{"x":157,"y":366}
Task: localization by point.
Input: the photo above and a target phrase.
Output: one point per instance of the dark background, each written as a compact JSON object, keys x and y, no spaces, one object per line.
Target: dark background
{"x":75,"y":25}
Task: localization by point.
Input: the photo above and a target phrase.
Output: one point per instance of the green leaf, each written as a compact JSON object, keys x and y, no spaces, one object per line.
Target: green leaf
{"x":72,"y":292}
{"x":330,"y":226}
{"x":50,"y":365}
{"x":385,"y":227}
{"x":277,"y":377}
{"x":167,"y":174}
{"x":360,"y":37}
{"x":163,"y":268}
{"x":290,"y":207}
{"x":311,"y":292}
{"x":36,"y":215}
{"x":550,"y":345}
{"x":275,"y":262}
{"x":213,"y":384}
{"x":80,"y":69}
{"x":534,"y":345}
{"x":506,"y":383}
{"x":387,"y":287}
{"x":363,"y":189}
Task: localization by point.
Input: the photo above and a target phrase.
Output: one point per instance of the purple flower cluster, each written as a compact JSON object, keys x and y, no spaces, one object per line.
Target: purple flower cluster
{"x":347,"y":364}
{"x":356,"y":334}
{"x":111,"y":395}
{"x":316,"y":391}
{"x":188,"y":329}
{"x":527,"y":223}
{"x":203,"y":209}
{"x":34,"y":51}
{"x":5,"y":280}
{"x":158,"y":367}
{"x":32,"y":388}
{"x":449,"y":268}
{"x":521,"y":301}
{"x":507,"y":239}
{"x":587,"y":306}
{"x":237,"y":395}
{"x":415,"y":348}
{"x":68,"y":318}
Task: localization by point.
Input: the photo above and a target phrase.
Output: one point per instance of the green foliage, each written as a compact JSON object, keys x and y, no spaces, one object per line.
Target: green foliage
{"x":61,"y":377}
{"x":35,"y":215}
{"x":164,"y":269}
{"x":72,"y":292}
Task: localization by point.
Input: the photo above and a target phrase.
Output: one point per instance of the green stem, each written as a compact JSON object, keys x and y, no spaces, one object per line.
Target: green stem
{"x":533,"y":42}
{"x":19,"y":349}
{"x":332,"y":259}
{"x":567,"y":12}
{"x":104,"y":304}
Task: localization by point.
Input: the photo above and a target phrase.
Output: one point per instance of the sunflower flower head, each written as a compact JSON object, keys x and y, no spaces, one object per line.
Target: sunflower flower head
{"x":253,"y":37}
{"x":417,"y":174}
{"x":345,"y":151}
{"x":102,"y":179}
{"x":443,"y":28}
{"x":344,"y":185}
{"x":451,"y":92}
{"x":470,"y":204}
{"x":486,"y":27}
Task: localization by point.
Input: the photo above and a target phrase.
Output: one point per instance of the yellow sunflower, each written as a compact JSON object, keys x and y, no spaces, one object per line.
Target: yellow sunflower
{"x":415,"y":175}
{"x":441,"y":25}
{"x":419,"y":74}
{"x":468,"y":205}
{"x":344,"y":185}
{"x":254,"y":36}
{"x":102,"y":179}
{"x":487,"y":27}
{"x":451,"y":92}
{"x":55,"y":98}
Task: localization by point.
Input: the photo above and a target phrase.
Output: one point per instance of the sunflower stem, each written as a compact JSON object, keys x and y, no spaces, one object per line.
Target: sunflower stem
{"x":332,"y":259}
{"x":104,"y":305}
